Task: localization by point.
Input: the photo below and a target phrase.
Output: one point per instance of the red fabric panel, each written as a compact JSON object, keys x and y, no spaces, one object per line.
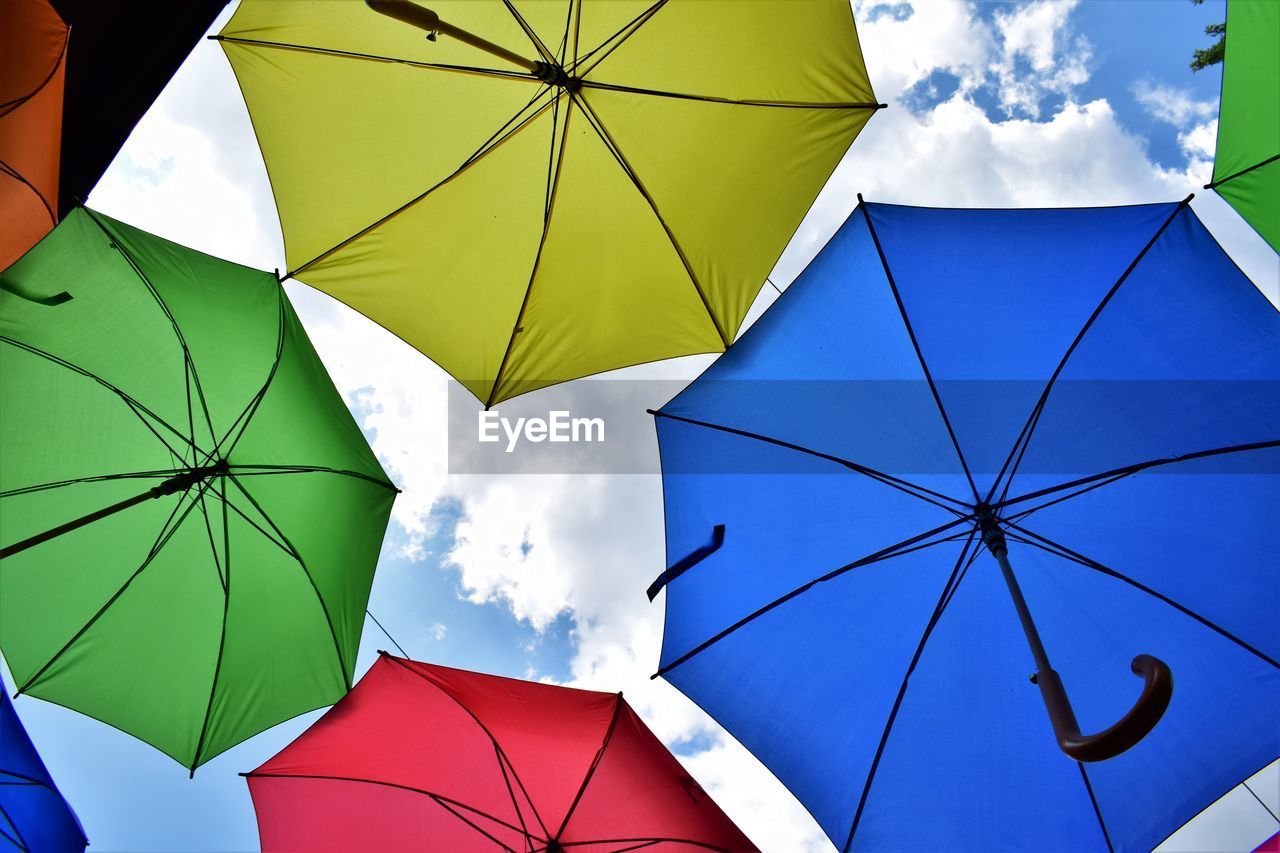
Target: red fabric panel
{"x":639,"y":790}
{"x":1271,"y":844}
{"x":412,"y":743}
{"x":322,"y":815}
{"x":33,"y":42}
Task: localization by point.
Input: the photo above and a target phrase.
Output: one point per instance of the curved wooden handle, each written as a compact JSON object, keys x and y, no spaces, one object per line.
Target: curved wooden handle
{"x":1132,"y":727}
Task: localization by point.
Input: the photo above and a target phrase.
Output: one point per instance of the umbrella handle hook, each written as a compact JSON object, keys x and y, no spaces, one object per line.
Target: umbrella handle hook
{"x":1157,"y":688}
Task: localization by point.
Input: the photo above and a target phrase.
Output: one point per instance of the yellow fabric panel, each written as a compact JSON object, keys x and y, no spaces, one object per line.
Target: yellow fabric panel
{"x":753,"y":186}
{"x":350,"y":25}
{"x":610,"y":289}
{"x":790,"y":50}
{"x":449,"y":273}
{"x":549,"y":19}
{"x":339,"y":159}
{"x":598,"y":23}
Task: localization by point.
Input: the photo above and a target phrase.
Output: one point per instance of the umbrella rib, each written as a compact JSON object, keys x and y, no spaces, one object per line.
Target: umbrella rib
{"x":1023,"y":440}
{"x":11,"y":493}
{"x":528,"y":31}
{"x":957,"y":575}
{"x":372,"y":57}
{"x":598,"y":126}
{"x":1119,"y":473}
{"x":906,"y":546}
{"x":166,"y":533}
{"x":497,"y":746}
{"x":13,"y":103}
{"x":595,"y":762}
{"x":555,"y":163}
{"x":1106,"y":836}
{"x":19,"y":842}
{"x":745,"y":102}
{"x":915,"y":344}
{"x":242,"y":420}
{"x":1049,"y":546}
{"x":643,"y":842}
{"x":887,"y":479}
{"x":439,"y":798}
{"x":17,"y":176}
{"x":188,"y":361}
{"x":515,"y":803}
{"x":293,"y":552}
{"x":614,"y":41}
{"x":134,"y":406}
{"x":223,"y":580}
{"x":260,"y":470}
{"x":222,"y":637}
{"x":1213,"y":185}
{"x":513,"y":126}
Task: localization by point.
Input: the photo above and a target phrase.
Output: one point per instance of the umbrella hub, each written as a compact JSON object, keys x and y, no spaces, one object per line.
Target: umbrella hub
{"x":556,"y":76}
{"x":191,"y":477}
{"x":989,"y":525}
{"x":553,"y":846}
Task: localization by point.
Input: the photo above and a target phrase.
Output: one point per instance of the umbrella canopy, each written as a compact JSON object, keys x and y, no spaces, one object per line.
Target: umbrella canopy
{"x":121,"y":57}
{"x":217,"y":513}
{"x":1246,"y":167}
{"x":423,"y":757}
{"x":622,"y":204}
{"x":33,"y":51}
{"x":33,"y":815}
{"x":1075,"y":409}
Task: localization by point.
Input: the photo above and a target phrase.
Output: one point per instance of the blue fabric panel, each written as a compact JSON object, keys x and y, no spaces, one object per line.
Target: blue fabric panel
{"x":1208,"y":541}
{"x":1221,"y":723}
{"x":808,"y":686}
{"x":971,"y":762}
{"x":998,"y":296}
{"x":1198,"y":349}
{"x":833,"y":347}
{"x":781,"y":530}
{"x":34,"y":813}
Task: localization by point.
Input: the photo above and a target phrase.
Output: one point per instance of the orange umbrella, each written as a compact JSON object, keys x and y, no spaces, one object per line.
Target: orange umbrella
{"x":33,"y":52}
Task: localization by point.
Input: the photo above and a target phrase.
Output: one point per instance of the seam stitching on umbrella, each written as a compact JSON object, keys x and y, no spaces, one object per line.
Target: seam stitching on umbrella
{"x":13,"y":173}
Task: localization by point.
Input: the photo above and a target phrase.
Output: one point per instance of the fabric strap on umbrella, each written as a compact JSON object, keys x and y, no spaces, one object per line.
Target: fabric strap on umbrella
{"x":686,"y":563}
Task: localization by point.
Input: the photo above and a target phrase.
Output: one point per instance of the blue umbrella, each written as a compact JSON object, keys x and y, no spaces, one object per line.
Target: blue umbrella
{"x":963,"y":444}
{"x":33,"y":815}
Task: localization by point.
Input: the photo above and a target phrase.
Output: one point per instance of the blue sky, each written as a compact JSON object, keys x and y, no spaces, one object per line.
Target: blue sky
{"x":1000,"y":103}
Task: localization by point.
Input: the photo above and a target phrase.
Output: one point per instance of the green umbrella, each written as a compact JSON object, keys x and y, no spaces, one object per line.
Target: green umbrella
{"x":190,"y":516}
{"x":1246,"y":168}
{"x":548,"y":189}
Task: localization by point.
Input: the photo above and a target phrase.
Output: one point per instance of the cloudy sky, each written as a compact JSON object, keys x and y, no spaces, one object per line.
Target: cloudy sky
{"x":1050,"y":103}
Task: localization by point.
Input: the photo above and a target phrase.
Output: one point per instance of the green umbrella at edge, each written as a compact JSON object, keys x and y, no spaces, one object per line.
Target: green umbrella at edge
{"x":223,"y":589}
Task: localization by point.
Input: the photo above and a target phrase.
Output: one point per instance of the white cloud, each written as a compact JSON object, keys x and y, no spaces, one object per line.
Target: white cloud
{"x":1038,"y":55}
{"x":1173,"y":105}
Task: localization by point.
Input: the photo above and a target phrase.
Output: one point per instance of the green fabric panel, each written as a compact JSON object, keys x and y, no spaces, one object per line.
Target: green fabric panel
{"x":272,"y":605}
{"x":449,"y":272}
{"x":92,"y":619}
{"x":1249,"y":120}
{"x":610,"y":289}
{"x":152,"y":683}
{"x":1256,"y":197}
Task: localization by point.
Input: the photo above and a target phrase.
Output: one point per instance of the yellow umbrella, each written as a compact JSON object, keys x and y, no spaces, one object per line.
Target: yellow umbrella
{"x":609,"y":186}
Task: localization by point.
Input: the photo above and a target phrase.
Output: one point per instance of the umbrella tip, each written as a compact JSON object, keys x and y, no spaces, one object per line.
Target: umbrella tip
{"x":878,"y":106}
{"x":1187,"y":200}
{"x":859,"y":198}
{"x":651,"y":412}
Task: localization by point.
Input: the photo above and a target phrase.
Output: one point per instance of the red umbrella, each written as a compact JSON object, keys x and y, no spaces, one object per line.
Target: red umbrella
{"x":419,"y":757}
